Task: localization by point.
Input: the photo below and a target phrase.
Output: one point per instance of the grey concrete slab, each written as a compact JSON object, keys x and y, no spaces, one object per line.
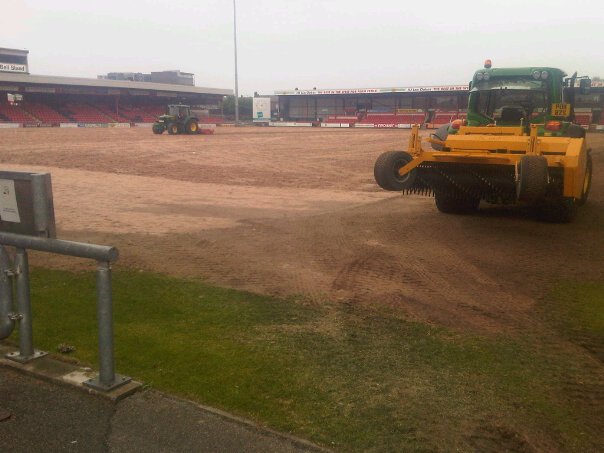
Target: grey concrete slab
{"x":50,"y":368}
{"x":152,"y":422}
{"x":47,"y":417}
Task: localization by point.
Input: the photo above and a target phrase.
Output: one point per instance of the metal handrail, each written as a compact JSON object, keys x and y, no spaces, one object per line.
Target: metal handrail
{"x":104,"y":255}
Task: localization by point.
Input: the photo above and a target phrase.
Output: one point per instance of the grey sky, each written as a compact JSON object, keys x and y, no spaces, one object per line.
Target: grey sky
{"x":285,"y":44}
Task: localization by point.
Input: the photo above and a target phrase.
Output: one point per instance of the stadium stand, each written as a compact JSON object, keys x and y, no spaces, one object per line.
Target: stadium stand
{"x":109,"y":111}
{"x":44,"y":113}
{"x":84,"y":113}
{"x":15,"y":114}
{"x":583,"y":117}
{"x":139,"y":114}
{"x":338,"y":119}
{"x":394,"y":118}
{"x":54,"y":113}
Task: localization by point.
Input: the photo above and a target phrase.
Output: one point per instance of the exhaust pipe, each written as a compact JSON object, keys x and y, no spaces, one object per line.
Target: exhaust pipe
{"x":7,"y":323}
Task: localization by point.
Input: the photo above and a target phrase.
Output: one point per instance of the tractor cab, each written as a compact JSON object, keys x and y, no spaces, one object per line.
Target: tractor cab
{"x":523,"y":96}
{"x":510,"y":102}
{"x":179,"y":111}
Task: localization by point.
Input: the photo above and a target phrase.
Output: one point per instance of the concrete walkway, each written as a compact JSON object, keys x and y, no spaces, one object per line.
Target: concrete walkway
{"x":47,"y":417}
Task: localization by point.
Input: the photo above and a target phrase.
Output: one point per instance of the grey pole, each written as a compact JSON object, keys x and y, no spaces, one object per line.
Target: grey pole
{"x":236,"y":74}
{"x":7,"y":322}
{"x":107,"y":379}
{"x":26,"y":344}
{"x":104,"y":312}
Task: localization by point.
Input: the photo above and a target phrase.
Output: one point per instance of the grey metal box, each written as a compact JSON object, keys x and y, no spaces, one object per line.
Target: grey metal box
{"x":26,"y":204}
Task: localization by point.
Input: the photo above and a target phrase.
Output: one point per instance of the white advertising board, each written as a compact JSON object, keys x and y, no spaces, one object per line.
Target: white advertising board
{"x":335,"y":125}
{"x":262,"y":109}
{"x":9,"y":125}
{"x":13,"y":67}
{"x":289,"y":124}
{"x":417,"y":89}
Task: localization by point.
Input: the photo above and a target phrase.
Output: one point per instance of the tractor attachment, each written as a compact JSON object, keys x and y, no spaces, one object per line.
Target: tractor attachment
{"x":494,"y":164}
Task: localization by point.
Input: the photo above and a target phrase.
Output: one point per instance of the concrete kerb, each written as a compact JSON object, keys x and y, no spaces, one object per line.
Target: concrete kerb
{"x":298,"y":442}
{"x":50,"y":369}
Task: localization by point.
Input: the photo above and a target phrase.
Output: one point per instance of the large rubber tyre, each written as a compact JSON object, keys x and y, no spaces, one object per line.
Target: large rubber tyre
{"x":441,"y":134}
{"x":563,"y":210}
{"x":586,"y":182}
{"x":172,"y":129}
{"x":191,"y":127}
{"x":386,"y":171}
{"x":453,"y":205}
{"x":157,"y":129}
{"x":532,"y":179}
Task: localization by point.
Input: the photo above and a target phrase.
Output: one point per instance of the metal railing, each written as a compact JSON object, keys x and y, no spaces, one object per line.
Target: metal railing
{"x":19,"y":272}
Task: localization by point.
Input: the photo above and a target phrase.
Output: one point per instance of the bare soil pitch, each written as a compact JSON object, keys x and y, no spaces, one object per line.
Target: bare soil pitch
{"x":296,"y":212}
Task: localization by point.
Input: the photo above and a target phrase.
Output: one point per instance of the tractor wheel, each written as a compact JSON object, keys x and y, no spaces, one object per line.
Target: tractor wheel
{"x":172,"y":129}
{"x":191,"y":127}
{"x":453,"y":205}
{"x":386,"y":170}
{"x":158,"y":129}
{"x":563,"y":210}
{"x":531,"y":179}
{"x":586,"y":182}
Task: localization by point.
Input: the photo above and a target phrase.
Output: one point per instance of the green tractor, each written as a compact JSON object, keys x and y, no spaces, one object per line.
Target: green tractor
{"x":178,"y":120}
{"x":519,"y":144}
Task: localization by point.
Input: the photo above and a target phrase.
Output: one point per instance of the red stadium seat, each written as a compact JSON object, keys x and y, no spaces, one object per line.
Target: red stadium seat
{"x":84,"y":113}
{"x":44,"y":112}
{"x":15,"y":114}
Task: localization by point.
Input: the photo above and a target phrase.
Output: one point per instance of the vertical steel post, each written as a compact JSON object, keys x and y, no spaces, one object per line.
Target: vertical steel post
{"x":7,"y":322}
{"x":107,"y":379}
{"x":104,"y":312}
{"x":26,"y":343}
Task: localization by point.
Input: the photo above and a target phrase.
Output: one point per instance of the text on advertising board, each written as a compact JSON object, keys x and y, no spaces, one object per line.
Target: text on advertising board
{"x":12,"y":67}
{"x":418,"y":89}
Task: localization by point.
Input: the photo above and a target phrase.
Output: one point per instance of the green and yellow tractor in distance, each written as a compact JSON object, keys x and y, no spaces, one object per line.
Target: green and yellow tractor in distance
{"x":519,"y":144}
{"x":178,"y":120}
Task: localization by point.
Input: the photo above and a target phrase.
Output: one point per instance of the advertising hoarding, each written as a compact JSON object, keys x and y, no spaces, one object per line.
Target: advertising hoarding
{"x":262,"y":110}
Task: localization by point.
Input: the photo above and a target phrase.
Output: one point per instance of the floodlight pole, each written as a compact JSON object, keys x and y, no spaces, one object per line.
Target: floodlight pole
{"x":236,"y":75}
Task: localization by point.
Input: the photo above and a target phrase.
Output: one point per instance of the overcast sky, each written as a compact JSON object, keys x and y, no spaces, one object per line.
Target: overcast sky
{"x":285,"y":44}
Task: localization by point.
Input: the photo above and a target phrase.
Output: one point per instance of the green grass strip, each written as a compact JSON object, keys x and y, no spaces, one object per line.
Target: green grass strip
{"x":349,"y":378}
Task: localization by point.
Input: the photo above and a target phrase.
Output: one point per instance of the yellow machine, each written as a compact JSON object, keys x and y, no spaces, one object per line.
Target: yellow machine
{"x":519,"y":146}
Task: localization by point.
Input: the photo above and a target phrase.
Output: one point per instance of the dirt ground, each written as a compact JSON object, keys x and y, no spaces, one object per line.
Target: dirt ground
{"x":297,"y":212}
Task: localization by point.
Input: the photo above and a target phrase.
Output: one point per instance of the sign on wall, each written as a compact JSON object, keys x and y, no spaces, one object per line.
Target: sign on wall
{"x":418,"y":89}
{"x":26,"y":204}
{"x":262,"y":109}
{"x":13,"y":67}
